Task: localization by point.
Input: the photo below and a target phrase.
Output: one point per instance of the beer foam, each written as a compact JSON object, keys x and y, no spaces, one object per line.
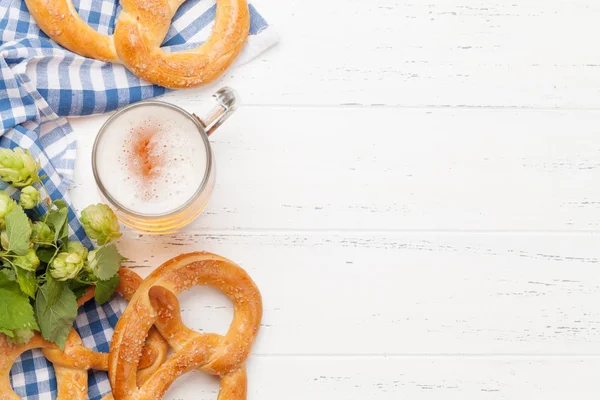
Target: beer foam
{"x":151,"y":159}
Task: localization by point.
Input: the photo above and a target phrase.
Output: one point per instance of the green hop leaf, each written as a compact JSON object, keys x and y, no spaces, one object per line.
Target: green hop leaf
{"x":18,"y":231}
{"x":22,"y":336}
{"x":8,"y":274}
{"x":46,"y":254}
{"x":16,"y":313}
{"x":78,"y":288}
{"x":55,"y":289}
{"x":100,"y":223}
{"x":105,"y":289}
{"x":7,"y":204}
{"x":28,"y":262}
{"x":42,"y":234}
{"x":57,"y":220}
{"x":18,"y":167}
{"x":6,"y":282}
{"x":59,"y":204}
{"x":30,"y":197}
{"x":57,"y":320}
{"x":105,"y":262}
{"x":27,"y":282}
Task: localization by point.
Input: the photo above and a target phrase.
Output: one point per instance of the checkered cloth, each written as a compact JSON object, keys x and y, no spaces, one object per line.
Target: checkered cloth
{"x":40,"y":83}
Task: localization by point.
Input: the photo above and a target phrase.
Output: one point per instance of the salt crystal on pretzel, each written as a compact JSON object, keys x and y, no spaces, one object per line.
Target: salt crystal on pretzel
{"x":139,"y":32}
{"x":155,"y":303}
{"x":71,"y":366}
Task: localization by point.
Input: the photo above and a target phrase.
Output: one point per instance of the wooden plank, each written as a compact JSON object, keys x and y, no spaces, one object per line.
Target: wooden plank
{"x":474,"y":53}
{"x":351,"y":378}
{"x":387,"y":169}
{"x":395,"y":294}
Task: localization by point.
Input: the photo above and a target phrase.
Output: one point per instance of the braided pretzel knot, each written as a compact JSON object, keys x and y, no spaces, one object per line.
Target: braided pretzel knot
{"x":139,"y":32}
{"x":156,"y":303}
{"x":71,"y":366}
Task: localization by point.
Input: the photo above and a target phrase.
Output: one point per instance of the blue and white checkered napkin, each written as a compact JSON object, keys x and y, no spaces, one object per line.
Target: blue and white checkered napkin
{"x":40,"y":83}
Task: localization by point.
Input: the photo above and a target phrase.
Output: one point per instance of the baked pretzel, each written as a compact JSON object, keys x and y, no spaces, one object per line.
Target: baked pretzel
{"x":139,"y":32}
{"x":71,"y":366}
{"x":155,"y":303}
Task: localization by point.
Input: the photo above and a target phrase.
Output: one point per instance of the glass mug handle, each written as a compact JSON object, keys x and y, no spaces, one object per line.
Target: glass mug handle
{"x":227,"y":102}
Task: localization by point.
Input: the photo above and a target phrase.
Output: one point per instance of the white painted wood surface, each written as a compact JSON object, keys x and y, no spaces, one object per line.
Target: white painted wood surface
{"x":414,"y":186}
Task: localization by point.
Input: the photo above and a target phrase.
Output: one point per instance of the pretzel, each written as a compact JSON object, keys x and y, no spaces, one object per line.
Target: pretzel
{"x":139,"y":32}
{"x":71,"y":366}
{"x":155,"y":303}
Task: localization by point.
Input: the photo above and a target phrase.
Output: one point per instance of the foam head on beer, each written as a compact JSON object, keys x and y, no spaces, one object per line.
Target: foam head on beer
{"x":151,"y":159}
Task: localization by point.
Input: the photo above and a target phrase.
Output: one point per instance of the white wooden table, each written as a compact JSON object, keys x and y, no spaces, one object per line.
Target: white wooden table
{"x":415,"y":188}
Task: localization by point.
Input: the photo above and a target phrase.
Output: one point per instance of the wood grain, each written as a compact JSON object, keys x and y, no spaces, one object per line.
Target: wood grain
{"x":387,"y":169}
{"x":401,"y":294}
{"x":352,"y":378}
{"x":460,"y":53}
{"x":414,"y":188}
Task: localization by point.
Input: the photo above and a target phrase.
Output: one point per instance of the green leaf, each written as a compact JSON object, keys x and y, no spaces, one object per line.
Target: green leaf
{"x":105,"y":289}
{"x":22,"y":336}
{"x":108,"y":262}
{"x":56,"y":321}
{"x":78,"y":288}
{"x":46,"y":254}
{"x":9,"y":284}
{"x":64,"y":236}
{"x":7,"y":332}
{"x":57,"y":220}
{"x":9,"y":274}
{"x":27,"y":281}
{"x":60,"y":204}
{"x":18,"y":231}
{"x":55,"y":289}
{"x":15,"y":312}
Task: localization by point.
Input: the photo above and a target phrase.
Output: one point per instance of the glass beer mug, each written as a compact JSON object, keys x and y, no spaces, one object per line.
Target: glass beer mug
{"x":153,"y":163}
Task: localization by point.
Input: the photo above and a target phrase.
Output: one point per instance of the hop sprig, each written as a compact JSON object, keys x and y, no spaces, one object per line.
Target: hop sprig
{"x":4,"y":240}
{"x":41,"y":272}
{"x":7,"y":204}
{"x":18,"y":167}
{"x":100,"y":223}
{"x":42,"y":234}
{"x":30,"y":197}
{"x":28,"y":262}
{"x":68,"y":264}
